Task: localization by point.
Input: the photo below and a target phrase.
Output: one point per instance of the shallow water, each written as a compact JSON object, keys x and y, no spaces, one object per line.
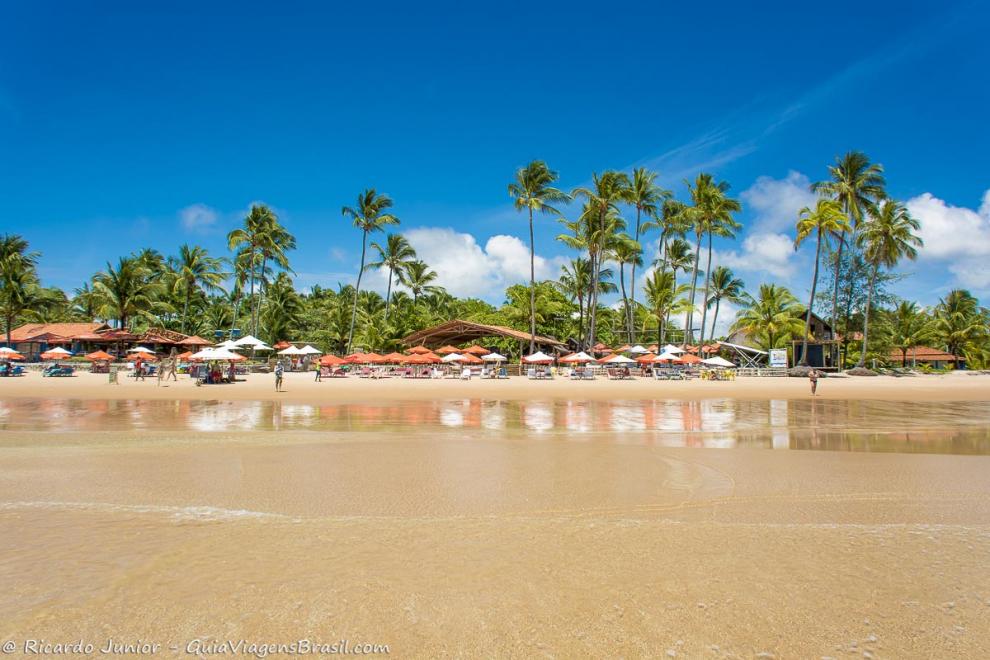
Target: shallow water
{"x":841,"y":425}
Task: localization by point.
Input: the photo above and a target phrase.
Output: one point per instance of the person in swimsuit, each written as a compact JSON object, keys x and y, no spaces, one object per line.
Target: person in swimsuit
{"x":813,"y":377}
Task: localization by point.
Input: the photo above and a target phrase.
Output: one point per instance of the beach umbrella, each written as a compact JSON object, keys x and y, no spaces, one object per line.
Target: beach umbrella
{"x":667,"y":356}
{"x":228,"y":344}
{"x":291,"y":350}
{"x":7,"y":349}
{"x":718,"y":361}
{"x":218,"y":354}
{"x":623,"y":349}
{"x":417,"y":358}
{"x":282,"y":344}
{"x":331,"y":361}
{"x":645,"y":359}
{"x":393,"y":358}
{"x":493,"y":357}
{"x":250,"y":342}
{"x":617,"y":358}
{"x":453,"y":357}
{"x":149,"y":357}
{"x":11,"y":355}
{"x":433,"y":357}
{"x":468,"y":358}
{"x":653,"y":348}
{"x":578,"y":358}
{"x":184,"y":356}
{"x":58,"y":353}
{"x":474,"y":349}
{"x":538,"y":358}
{"x":447,"y":350}
{"x":195,"y":340}
{"x":372,"y":358}
{"x":670,"y":348}
{"x":687,"y":358}
{"x":638,"y":349}
{"x":99,"y":356}
{"x":140,"y":349}
{"x":419,"y":350}
{"x":310,"y":350}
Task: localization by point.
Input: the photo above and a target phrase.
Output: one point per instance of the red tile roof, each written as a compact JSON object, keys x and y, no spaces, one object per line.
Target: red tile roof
{"x":28,"y":331}
{"x":924,"y":354}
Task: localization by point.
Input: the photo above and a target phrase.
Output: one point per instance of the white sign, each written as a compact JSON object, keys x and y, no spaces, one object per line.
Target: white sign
{"x":778,"y":357}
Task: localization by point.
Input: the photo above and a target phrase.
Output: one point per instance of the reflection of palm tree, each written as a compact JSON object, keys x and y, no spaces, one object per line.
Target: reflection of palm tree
{"x":369,"y":215}
{"x":395,"y":255}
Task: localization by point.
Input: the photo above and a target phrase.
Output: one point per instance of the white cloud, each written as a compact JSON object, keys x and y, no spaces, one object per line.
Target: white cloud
{"x":776,"y":202}
{"x":465,"y":268}
{"x":763,"y":253}
{"x":198,"y":218}
{"x":957,"y":235}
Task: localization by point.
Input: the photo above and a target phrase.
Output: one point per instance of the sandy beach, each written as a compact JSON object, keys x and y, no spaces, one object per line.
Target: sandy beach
{"x":300,"y":387}
{"x":601,"y":529}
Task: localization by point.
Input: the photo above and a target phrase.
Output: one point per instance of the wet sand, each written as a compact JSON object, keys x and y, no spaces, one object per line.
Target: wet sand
{"x":300,"y":387}
{"x":465,"y":541}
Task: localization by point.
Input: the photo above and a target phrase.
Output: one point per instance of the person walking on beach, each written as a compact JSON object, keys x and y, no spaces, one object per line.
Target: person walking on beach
{"x":138,"y":369}
{"x":278,"y":376}
{"x":813,"y":377}
{"x":173,"y":365}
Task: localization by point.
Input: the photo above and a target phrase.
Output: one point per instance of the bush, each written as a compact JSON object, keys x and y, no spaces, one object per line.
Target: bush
{"x":861,"y":371}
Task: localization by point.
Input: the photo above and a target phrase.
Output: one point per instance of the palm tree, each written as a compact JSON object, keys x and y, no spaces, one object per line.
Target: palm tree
{"x":711,"y":213}
{"x":678,"y":257}
{"x":395,"y":255}
{"x":417,"y":277}
{"x":196,"y":270}
{"x":772,"y":318}
{"x":886,"y":238}
{"x":664,"y":296}
{"x":958,"y":322}
{"x":601,"y":211}
{"x":532,"y":190}
{"x":127,"y":291}
{"x":647,"y":197}
{"x":624,"y":250}
{"x":247,"y":241}
{"x":909,"y":327}
{"x":19,"y":287}
{"x":275,"y":242}
{"x":724,"y":286}
{"x":369,"y":215}
{"x":827,"y":219}
{"x":858,"y":186}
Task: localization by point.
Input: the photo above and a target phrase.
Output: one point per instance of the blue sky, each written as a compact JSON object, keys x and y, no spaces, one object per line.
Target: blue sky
{"x":132,"y":124}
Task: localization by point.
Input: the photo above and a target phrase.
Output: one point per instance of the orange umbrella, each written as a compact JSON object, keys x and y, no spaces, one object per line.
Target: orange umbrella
{"x":331,"y":361}
{"x":416,"y":358}
{"x":476,"y":350}
{"x":373,"y":358}
{"x":11,"y":356}
{"x":623,"y":349}
{"x":144,"y":356}
{"x":281,"y":345}
{"x":687,"y":358}
{"x":99,"y":356}
{"x":419,"y":350}
{"x":469,"y":358}
{"x":645,"y":359}
{"x":432,"y":357}
{"x":184,"y":356}
{"x":394,"y":357}
{"x":447,"y":350}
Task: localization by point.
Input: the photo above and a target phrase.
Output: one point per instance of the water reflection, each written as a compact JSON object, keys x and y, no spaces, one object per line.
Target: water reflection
{"x":962,"y":427}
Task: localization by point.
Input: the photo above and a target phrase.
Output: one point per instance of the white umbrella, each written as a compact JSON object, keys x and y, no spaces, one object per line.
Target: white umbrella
{"x":249,"y":341}
{"x":580,"y":357}
{"x":452,"y":357}
{"x":216,"y":354}
{"x":58,"y":350}
{"x":667,"y":356}
{"x":230,"y":343}
{"x":670,"y":348}
{"x":638,"y":349}
{"x":717,"y":361}
{"x":7,"y":349}
{"x":619,"y":359}
{"x":291,"y":350}
{"x":493,"y":357}
{"x":140,"y":349}
{"x":309,"y":350}
{"x":538,"y":356}
{"x":204,"y":354}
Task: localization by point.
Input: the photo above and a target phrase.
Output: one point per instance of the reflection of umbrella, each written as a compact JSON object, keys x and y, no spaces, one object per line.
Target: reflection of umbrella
{"x":447,"y":350}
{"x":452,"y":357}
{"x":474,"y":349}
{"x":578,"y":358}
{"x":419,"y":350}
{"x":493,"y":357}
{"x":617,"y":359}
{"x":718,"y":361}
{"x":99,"y":356}
{"x":139,"y":349}
{"x":538,"y":357}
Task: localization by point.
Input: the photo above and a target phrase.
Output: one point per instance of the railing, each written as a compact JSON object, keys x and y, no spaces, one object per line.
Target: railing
{"x":762,"y":372}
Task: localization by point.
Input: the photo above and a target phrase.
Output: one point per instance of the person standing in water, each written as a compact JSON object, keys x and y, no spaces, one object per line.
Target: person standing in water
{"x":278,"y":376}
{"x":813,"y":377}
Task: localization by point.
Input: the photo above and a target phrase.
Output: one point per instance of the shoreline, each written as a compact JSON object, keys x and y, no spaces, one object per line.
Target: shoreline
{"x":300,"y":387}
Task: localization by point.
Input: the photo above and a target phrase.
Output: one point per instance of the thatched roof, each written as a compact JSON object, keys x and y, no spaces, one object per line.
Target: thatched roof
{"x":458,"y":331}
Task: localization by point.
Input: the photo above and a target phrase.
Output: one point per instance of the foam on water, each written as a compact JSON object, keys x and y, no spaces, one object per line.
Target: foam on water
{"x":178,"y":513}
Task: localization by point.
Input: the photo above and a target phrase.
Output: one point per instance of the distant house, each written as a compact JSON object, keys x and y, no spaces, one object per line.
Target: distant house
{"x":31,"y":339}
{"x":933,"y":357}
{"x":823,"y":347}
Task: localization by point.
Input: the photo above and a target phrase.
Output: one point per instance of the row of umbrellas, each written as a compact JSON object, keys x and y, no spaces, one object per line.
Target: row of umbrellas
{"x":418,"y":355}
{"x":670,"y":355}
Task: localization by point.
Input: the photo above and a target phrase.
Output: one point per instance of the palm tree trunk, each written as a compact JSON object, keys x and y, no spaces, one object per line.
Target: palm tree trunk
{"x":835,"y":293}
{"x":532,"y":287}
{"x":718,"y":301}
{"x":866,"y":315}
{"x":632,"y":284}
{"x":904,"y":357}
{"x":261,"y":296}
{"x":811,"y":303}
{"x":593,"y":300}
{"x":388,"y":293}
{"x":704,"y":300}
{"x":625,"y":301}
{"x":580,"y":318}
{"x":357,"y":290}
{"x":252,"y":285}
{"x":236,"y":310}
{"x":185,"y":308}
{"x":689,"y":326}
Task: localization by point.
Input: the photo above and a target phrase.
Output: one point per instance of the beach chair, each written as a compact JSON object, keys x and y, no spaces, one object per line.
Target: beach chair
{"x":466,"y":373}
{"x":531,"y":373}
{"x":502,"y":373}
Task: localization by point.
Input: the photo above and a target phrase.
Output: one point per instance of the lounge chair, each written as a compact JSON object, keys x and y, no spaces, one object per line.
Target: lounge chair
{"x":531,"y":374}
{"x":466,"y":373}
{"x":502,"y":373}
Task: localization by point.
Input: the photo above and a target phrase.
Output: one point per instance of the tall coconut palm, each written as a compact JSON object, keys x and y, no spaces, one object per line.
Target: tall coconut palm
{"x":196,"y":270}
{"x":648,"y":199}
{"x":276,"y":241}
{"x":418,"y":278}
{"x":826,"y":219}
{"x":624,"y":250}
{"x":886,"y":238}
{"x":711,"y":213}
{"x":247,"y":243}
{"x":858,"y":186}
{"x":724,"y":286}
{"x":959,"y":323}
{"x":910,"y":326}
{"x":772,"y":318}
{"x":664,"y":297}
{"x":394,"y":256}
{"x":608,"y":189}
{"x":369,"y":215}
{"x":19,"y":286}
{"x":678,"y":257}
{"x":533,"y":190}
{"x":127,"y":291}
